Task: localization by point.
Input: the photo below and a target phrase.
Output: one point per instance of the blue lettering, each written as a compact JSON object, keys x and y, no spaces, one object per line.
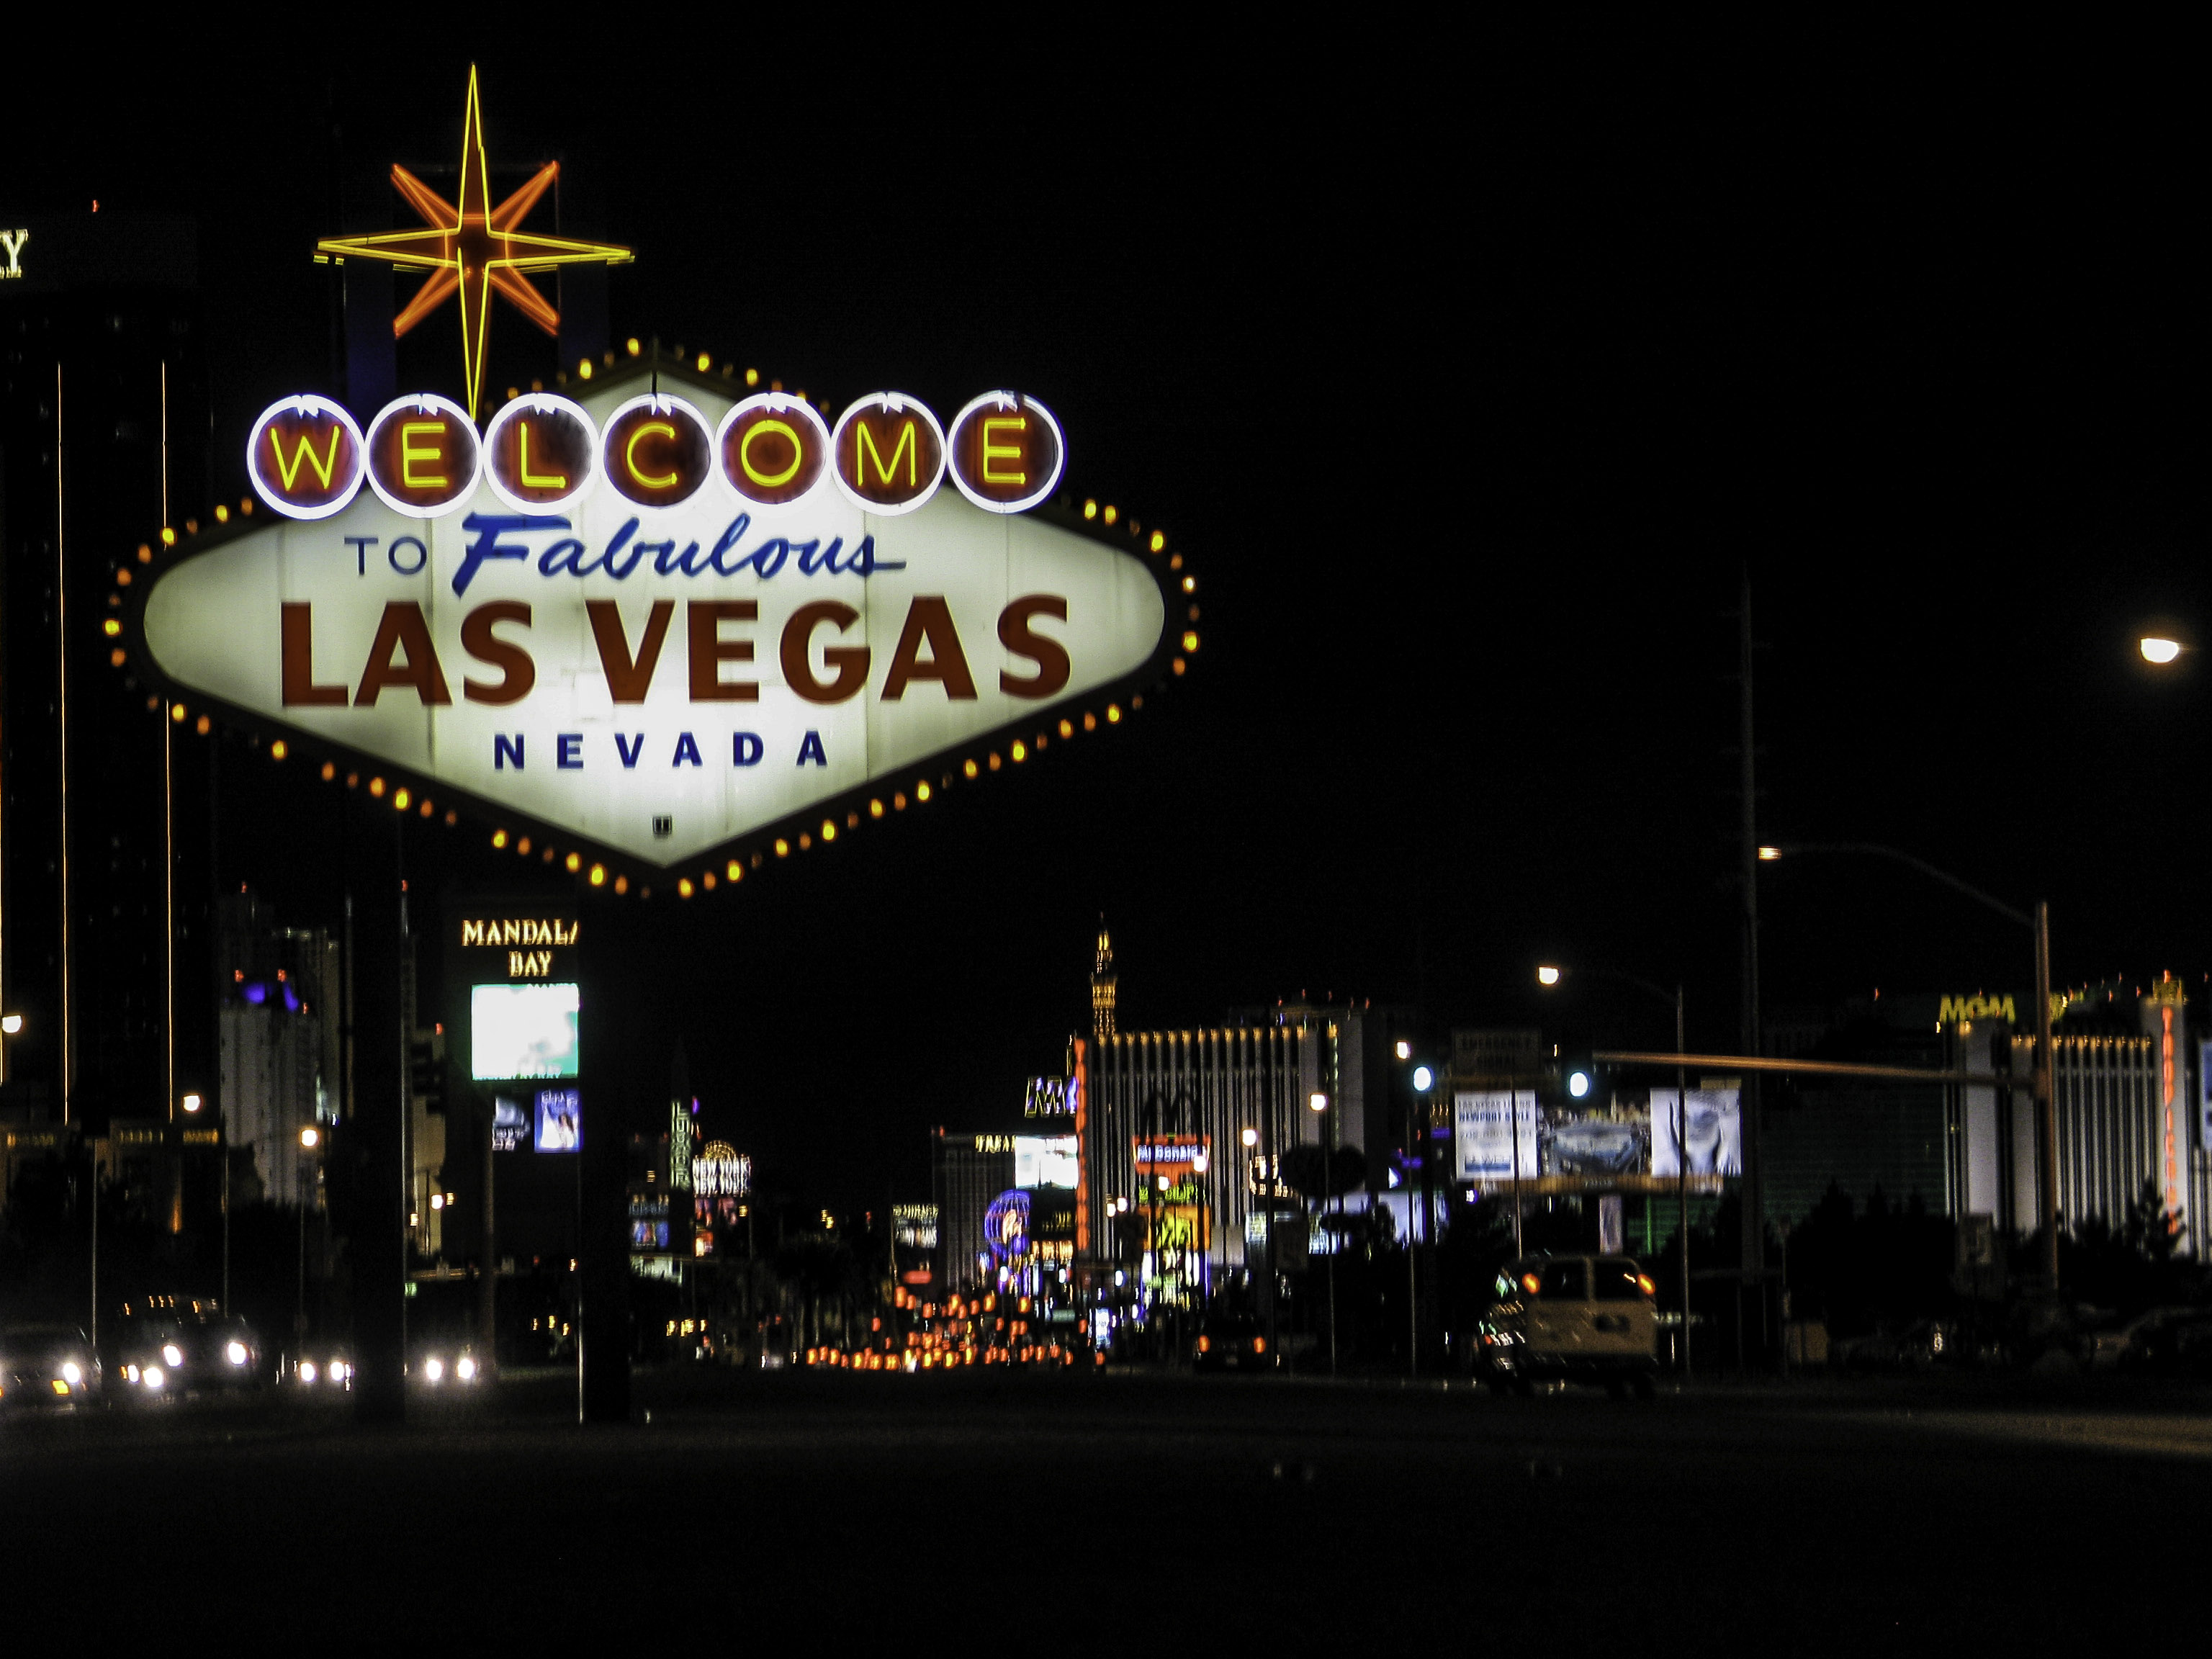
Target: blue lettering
{"x":360,"y":544}
{"x":614,"y":545}
{"x":662,"y":553}
{"x":730,"y":537}
{"x":630,"y":750}
{"x":687,"y":751}
{"x":506,"y":749}
{"x":565,"y":751}
{"x":422,"y":555}
{"x":561,"y":557}
{"x":808,"y":559}
{"x":768,"y":558}
{"x":864,"y":561}
{"x":810,"y":748}
{"x":488,"y":528}
{"x":746,"y":749}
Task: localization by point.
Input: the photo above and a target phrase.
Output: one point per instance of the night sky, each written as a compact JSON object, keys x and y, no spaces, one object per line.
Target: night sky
{"x":1471,"y":377}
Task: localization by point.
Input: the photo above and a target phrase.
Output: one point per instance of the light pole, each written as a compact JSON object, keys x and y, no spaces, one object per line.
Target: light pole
{"x":2039,"y":925}
{"x":1319,"y":1102}
{"x":1549,"y":976}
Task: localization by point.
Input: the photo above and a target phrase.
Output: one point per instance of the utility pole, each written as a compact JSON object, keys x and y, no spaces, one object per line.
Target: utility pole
{"x":1753,"y":1256}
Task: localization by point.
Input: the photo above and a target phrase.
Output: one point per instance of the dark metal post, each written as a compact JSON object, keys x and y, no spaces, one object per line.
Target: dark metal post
{"x":2046,"y":1094}
{"x":378,"y":1245}
{"x":488,"y":1272}
{"x":1753,"y":1256}
{"x":611,"y":1044}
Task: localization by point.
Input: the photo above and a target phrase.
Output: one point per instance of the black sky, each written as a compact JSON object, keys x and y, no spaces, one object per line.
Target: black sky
{"x":1472,"y":375}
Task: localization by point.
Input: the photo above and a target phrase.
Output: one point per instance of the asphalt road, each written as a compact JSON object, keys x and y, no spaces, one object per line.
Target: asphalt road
{"x":1122,"y":1511}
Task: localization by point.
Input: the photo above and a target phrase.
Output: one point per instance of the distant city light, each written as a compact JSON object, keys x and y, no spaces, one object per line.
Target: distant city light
{"x":1423,"y":1077}
{"x":1250,"y":1137}
{"x":1318,"y":1100}
{"x":1405,"y":1051}
{"x":1578,"y":1084}
{"x":192,"y":1104}
{"x":309,"y":1136}
{"x":2161,"y":650}
{"x":1770,"y":853}
{"x":1547,"y":976}
{"x":11,"y":1023}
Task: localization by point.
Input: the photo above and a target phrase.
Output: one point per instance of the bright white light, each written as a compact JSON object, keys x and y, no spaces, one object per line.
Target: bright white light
{"x":437,"y":1201}
{"x":70,"y":1374}
{"x":2161,"y":650}
{"x":192,"y":1102}
{"x":172,"y":1353}
{"x":1318,"y":1100}
{"x":1578,"y":1084}
{"x":1405,"y":1051}
{"x":308,"y":1137}
{"x":340,"y":1370}
{"x":11,"y":1023}
{"x":1770,"y":853}
{"x":523,"y":1031}
{"x":152,"y":1375}
{"x":465,"y":1369}
{"x":307,"y":1370}
{"x":235,"y":1353}
{"x":1547,"y":976}
{"x":1250,"y":1137}
{"x":434,"y":1369}
{"x":1422,"y":1078}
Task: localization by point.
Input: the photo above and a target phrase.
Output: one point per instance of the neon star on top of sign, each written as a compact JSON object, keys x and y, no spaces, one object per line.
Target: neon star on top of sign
{"x":474,"y":248}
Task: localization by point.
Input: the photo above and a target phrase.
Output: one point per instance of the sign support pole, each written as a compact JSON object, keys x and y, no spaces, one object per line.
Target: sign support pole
{"x":610,"y":1043}
{"x":379,"y":1225}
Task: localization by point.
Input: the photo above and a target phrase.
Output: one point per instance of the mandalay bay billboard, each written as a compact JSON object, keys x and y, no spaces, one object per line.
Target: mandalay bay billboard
{"x":665,"y":624}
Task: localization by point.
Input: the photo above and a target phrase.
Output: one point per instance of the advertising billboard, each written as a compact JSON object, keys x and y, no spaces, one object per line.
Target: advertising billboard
{"x":522,"y":1031}
{"x":1715,"y":1133}
{"x":1492,"y":1139}
{"x":510,"y":1123}
{"x":560,"y":1120}
{"x":602,"y":632}
{"x":1044,"y":1161}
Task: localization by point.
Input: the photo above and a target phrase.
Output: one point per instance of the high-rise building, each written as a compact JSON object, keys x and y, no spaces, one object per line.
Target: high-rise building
{"x":104,"y":441}
{"x":1101,"y":986}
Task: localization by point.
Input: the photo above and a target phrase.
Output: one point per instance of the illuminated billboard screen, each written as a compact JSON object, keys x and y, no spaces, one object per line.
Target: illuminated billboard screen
{"x":1044,"y":1161}
{"x":560,"y":1120}
{"x":510,"y":1123}
{"x":522,"y":1031}
{"x":1715,"y":1133}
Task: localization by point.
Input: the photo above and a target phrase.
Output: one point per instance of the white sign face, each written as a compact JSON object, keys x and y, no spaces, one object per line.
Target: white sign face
{"x":658,"y":682}
{"x":1715,"y":1133}
{"x":1485,"y":1138}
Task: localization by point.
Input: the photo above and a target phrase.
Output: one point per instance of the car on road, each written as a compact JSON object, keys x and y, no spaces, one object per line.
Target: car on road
{"x":2169,"y":1342}
{"x":1589,"y":1319}
{"x":176,"y":1349}
{"x":1232,"y":1342}
{"x":43,"y":1366}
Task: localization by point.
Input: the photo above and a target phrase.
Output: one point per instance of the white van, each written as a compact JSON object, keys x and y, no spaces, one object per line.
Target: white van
{"x":1573,"y":1319}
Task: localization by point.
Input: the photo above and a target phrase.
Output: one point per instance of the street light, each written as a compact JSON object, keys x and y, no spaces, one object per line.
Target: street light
{"x":2045,"y":1074}
{"x":11,"y":1024}
{"x":308,"y":1137}
{"x":2160,"y":650}
{"x":1250,"y":1137}
{"x":191,"y":1102}
{"x":1553,"y":977}
{"x":1423,"y":1077}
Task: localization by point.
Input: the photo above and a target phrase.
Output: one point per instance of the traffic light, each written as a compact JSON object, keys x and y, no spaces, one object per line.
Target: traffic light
{"x":425,"y":1070}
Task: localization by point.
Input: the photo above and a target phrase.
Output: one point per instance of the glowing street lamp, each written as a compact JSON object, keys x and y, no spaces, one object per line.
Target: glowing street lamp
{"x":11,"y":1024}
{"x":1547,"y":976}
{"x":191,"y":1102}
{"x":2159,"y":652}
{"x":1250,"y":1137}
{"x":309,"y":1136}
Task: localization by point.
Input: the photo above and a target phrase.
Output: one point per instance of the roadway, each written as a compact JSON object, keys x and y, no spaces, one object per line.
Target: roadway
{"x":1125,"y":1510}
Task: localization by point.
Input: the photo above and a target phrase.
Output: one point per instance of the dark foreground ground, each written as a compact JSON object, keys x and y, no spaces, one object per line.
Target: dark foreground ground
{"x":1148,"y":1514}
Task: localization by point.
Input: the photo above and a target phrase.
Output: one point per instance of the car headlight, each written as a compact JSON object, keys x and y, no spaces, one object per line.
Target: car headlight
{"x":153,"y":1376}
{"x":307,"y":1370}
{"x":340,"y":1370}
{"x":465,"y":1369}
{"x":71,"y":1374}
{"x":235,"y":1353}
{"x":130,"y":1373}
{"x":434,"y":1369}
{"x":173,"y":1354}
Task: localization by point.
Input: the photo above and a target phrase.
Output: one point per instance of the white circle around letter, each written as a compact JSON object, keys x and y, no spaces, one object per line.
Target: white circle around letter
{"x":328,"y":493}
{"x":1034,"y":490}
{"x":893,"y":407}
{"x":425,"y":402}
{"x":509,"y":465}
{"x":773,"y":480}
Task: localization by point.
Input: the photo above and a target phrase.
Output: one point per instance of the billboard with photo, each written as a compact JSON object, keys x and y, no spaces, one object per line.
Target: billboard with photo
{"x":510,"y":1123}
{"x":560,"y":1120}
{"x":1715,"y":1133}
{"x":522,"y":1031}
{"x":1044,"y":1161}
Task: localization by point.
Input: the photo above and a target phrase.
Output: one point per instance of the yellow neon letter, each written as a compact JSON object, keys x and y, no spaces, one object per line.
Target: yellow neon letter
{"x":531,"y":480}
{"x":323,"y":465}
{"x":411,"y":451}
{"x":661,"y":481}
{"x":865,"y":445}
{"x":1003,"y":451}
{"x":745,"y":455}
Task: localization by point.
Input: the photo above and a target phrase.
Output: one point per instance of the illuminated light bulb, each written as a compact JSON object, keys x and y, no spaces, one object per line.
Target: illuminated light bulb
{"x":1547,"y":976}
{"x":573,"y":863}
{"x":1190,"y":641}
{"x":752,"y":377}
{"x":736,"y":871}
{"x":145,"y":553}
{"x":452,"y":818}
{"x":805,"y":841}
{"x":631,"y":344}
{"x":684,"y":887}
{"x":1190,"y":584}
{"x":331,"y":770}
{"x":118,"y":657}
{"x":584,"y":368}
{"x":707,"y":880}
{"x":1113,"y":712}
{"x":995,"y":761}
{"x":376,"y":788}
{"x":1159,"y":540}
{"x":1090,"y":722}
{"x":1111,"y":514}
{"x":1769,"y":854}
{"x":875,"y":809}
{"x":177,"y":713}
{"x":169,"y":537}
{"x":1068,"y":728}
{"x":829,"y":830}
{"x":782,"y":847}
{"x":423,"y":808}
{"x":1020,"y":752}
{"x":706,"y":363}
{"x":1091,"y":509}
{"x":122,"y":578}
{"x":622,"y":883}
{"x":522,"y":845}
{"x":922,"y":791}
{"x":222,"y":515}
{"x":599,"y":875}
{"x":499,"y":839}
{"x":203,"y":725}
{"x":277,"y":750}
{"x":1177,"y":665}
{"x":967,"y":769}
{"x":400,"y":799}
{"x":898,"y":802}
{"x":2160,"y":650}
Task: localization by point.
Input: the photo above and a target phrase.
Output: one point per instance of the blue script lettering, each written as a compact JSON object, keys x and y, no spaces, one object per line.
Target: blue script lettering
{"x":486,"y":528}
